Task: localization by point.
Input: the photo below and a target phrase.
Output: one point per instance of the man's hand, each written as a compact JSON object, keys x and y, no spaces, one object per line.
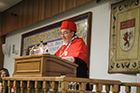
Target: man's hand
{"x":69,"y":58}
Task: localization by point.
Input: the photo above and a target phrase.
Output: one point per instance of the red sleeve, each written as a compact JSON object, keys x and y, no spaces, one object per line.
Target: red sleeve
{"x":78,"y":49}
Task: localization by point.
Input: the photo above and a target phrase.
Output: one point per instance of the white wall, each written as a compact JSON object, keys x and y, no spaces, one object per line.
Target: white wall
{"x":99,"y":40}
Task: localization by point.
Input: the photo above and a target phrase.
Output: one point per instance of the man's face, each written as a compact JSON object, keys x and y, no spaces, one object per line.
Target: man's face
{"x":66,"y":35}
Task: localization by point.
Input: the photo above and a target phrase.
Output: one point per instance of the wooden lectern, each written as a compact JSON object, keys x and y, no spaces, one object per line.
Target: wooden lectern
{"x":43,"y":65}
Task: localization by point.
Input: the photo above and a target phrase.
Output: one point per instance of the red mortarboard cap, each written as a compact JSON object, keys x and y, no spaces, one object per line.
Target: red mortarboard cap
{"x":68,"y":24}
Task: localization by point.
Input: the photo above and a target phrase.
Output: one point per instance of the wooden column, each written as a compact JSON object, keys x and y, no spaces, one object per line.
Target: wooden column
{"x":54,"y":86}
{"x":10,"y":84}
{"x":82,"y":87}
{"x":37,"y":86}
{"x":16,"y":86}
{"x":127,"y":89}
{"x":99,"y":88}
{"x":138,"y":89}
{"x":64,"y":87}
{"x":4,"y":83}
{"x":22,"y":86}
{"x":45,"y":87}
{"x":107,"y":88}
{"x":29,"y":86}
{"x":115,"y":88}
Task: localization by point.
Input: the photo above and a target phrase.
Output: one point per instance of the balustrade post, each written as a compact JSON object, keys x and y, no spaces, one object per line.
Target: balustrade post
{"x":91,"y":86}
{"x":99,"y":88}
{"x":22,"y":86}
{"x":64,"y":87}
{"x":10,"y":83}
{"x":29,"y":86}
{"x":82,"y":87}
{"x":45,"y":86}
{"x":107,"y":88}
{"x":4,"y":83}
{"x":37,"y":86}
{"x":16,"y":87}
{"x":115,"y":88}
{"x":127,"y":89}
{"x":54,"y":86}
{"x":138,"y":89}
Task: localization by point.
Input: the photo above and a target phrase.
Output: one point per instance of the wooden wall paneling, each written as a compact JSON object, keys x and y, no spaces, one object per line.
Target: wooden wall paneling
{"x":4,"y":23}
{"x":1,"y":62}
{"x":62,"y":5}
{"x":0,"y":22}
{"x":15,"y":18}
{"x":20,"y":15}
{"x":90,"y":0}
{"x":1,"y":57}
{"x":2,"y":41}
{"x":12,"y":20}
{"x":8,"y":21}
{"x":55,"y":7}
{"x":48,"y":9}
{"x":80,"y":2}
{"x":30,"y":12}
{"x":1,"y":54}
{"x":36,"y":11}
{"x":41,"y":9}
{"x":70,"y":4}
{"x":25,"y":11}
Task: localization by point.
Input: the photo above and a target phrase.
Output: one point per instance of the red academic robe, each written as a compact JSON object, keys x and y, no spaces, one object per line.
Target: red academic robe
{"x":77,"y":49}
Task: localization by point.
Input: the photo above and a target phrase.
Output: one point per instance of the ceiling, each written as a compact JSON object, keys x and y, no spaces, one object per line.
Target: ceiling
{"x":5,"y":4}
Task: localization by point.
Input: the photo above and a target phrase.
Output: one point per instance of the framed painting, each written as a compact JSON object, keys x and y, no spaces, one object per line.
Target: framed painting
{"x":52,"y":36}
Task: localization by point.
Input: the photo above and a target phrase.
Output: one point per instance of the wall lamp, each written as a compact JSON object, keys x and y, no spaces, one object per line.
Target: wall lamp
{"x":99,"y":1}
{"x":14,"y":14}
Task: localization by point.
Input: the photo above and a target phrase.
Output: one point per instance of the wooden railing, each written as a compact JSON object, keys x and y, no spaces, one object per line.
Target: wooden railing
{"x":64,"y":85}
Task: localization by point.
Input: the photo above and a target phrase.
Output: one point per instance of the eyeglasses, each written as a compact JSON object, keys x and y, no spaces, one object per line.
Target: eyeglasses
{"x":65,"y":33}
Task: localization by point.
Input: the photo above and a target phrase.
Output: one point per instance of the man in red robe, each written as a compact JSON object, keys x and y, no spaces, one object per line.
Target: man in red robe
{"x":74,"y":49}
